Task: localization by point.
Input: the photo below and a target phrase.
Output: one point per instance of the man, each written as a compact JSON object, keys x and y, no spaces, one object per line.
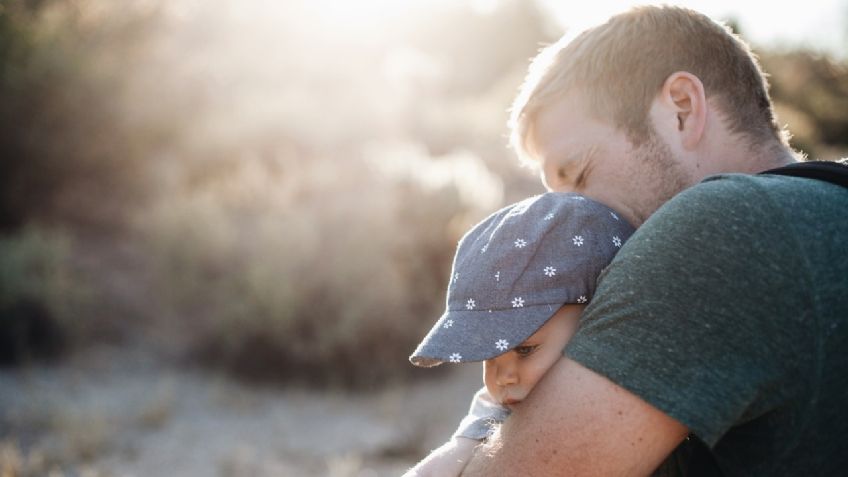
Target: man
{"x":726,"y":314}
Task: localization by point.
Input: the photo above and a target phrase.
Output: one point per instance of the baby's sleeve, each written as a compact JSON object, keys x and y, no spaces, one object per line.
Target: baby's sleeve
{"x":483,"y":415}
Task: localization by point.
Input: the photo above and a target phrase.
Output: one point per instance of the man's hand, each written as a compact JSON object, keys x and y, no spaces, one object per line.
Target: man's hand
{"x":577,"y":422}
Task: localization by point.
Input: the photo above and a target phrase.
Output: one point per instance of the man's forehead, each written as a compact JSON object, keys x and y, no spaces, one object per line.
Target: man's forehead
{"x":559,"y":150}
{"x":560,"y":126}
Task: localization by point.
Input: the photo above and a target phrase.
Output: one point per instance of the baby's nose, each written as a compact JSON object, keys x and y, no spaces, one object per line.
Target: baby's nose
{"x":507,"y":374}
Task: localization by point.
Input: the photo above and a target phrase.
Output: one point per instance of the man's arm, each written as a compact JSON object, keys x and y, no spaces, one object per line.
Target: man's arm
{"x":577,"y":422}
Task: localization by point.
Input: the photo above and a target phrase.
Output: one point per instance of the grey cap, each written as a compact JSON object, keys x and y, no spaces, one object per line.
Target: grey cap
{"x":515,"y":269}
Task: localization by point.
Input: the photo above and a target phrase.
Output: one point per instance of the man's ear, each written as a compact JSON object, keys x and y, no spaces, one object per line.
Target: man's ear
{"x":683,"y":96}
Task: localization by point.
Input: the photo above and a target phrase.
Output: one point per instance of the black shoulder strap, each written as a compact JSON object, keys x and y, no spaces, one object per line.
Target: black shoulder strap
{"x":834,"y":172}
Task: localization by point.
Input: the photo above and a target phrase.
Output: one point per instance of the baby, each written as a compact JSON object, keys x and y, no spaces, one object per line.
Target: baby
{"x":520,"y":281}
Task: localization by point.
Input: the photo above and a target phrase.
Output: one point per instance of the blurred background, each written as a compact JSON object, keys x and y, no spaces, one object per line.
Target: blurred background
{"x":225,"y":224}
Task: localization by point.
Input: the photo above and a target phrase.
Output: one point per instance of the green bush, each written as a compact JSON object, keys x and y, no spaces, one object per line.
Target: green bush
{"x":41,"y":298}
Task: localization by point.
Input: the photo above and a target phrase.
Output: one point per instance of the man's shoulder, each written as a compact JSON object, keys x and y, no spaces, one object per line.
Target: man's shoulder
{"x":730,"y":203}
{"x":754,"y":189}
{"x":734,"y":190}
{"x":720,"y":205}
{"x":737,"y":223}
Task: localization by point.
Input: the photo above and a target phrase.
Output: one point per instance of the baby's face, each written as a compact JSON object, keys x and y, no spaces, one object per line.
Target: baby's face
{"x":510,"y":377}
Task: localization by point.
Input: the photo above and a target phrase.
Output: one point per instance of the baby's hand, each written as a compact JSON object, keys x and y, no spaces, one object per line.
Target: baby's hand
{"x":446,"y":461}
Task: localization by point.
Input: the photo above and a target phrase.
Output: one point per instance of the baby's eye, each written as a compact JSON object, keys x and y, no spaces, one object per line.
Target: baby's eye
{"x":525,"y":350}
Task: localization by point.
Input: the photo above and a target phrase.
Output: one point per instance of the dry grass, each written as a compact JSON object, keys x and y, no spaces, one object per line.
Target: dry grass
{"x":78,"y":420}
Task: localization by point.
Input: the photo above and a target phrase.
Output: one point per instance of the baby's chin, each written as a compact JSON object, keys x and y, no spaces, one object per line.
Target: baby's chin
{"x":510,"y":403}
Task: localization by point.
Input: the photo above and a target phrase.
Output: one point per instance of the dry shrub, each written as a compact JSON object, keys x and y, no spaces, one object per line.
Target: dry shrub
{"x":65,"y":140}
{"x":323,"y":271}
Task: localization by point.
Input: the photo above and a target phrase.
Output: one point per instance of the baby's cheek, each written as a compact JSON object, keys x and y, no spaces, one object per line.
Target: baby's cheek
{"x":541,"y":366}
{"x":533,"y":375}
{"x":489,"y":379}
{"x":491,"y":389}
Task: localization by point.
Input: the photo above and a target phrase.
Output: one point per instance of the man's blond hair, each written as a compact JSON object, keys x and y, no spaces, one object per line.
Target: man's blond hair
{"x":621,"y":65}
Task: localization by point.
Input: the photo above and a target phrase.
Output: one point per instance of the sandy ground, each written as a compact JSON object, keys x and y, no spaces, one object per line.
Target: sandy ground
{"x":119,"y":413}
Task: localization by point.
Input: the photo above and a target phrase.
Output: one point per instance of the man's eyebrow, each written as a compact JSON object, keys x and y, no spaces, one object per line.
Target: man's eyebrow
{"x":577,"y":156}
{"x":570,"y":157}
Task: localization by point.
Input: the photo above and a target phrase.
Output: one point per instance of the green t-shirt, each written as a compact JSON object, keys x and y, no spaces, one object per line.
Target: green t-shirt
{"x":728,"y":311}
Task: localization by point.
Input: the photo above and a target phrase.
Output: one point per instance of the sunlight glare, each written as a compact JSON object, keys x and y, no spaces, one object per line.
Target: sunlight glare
{"x":484,"y":7}
{"x":364,"y":12}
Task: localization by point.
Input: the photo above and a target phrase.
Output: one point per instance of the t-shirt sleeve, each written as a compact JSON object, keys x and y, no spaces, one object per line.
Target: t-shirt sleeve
{"x":689,"y":316}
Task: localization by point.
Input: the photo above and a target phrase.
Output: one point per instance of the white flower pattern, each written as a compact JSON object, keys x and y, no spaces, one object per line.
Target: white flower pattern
{"x":519,"y":301}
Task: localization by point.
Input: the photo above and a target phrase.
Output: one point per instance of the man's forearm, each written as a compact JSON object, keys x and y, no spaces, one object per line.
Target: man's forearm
{"x":576,"y":422}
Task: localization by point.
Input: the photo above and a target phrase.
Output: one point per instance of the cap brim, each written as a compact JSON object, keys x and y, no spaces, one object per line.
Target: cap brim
{"x":477,"y":335}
